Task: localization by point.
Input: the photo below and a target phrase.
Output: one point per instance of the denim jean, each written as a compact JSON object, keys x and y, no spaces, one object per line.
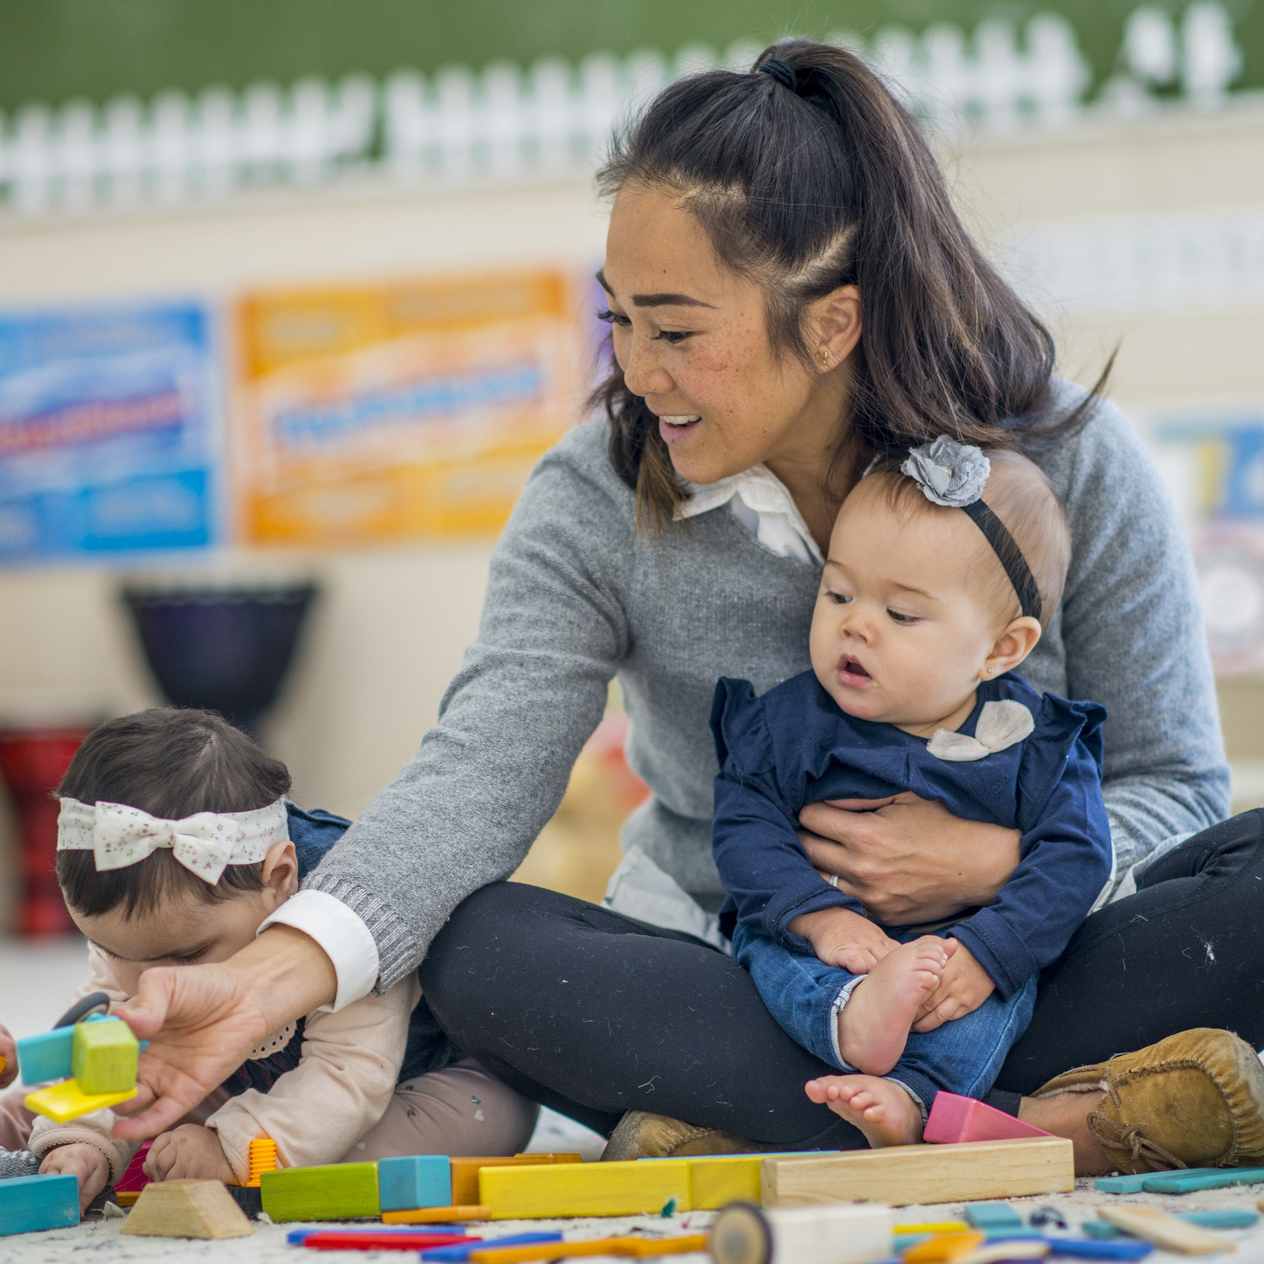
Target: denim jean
{"x":805,"y":996}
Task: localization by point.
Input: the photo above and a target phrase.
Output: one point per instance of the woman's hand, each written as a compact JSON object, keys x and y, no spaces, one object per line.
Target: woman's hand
{"x":202,"y":1021}
{"x":80,"y":1160}
{"x":908,"y":860}
{"x":189,"y":1152}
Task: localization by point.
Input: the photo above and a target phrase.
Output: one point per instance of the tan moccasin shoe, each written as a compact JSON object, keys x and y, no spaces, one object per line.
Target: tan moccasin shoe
{"x":1195,"y":1099}
{"x":642,"y":1135}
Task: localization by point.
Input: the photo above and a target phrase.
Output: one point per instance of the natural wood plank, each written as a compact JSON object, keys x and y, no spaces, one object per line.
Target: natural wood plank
{"x":186,"y":1209}
{"x":902,"y":1175}
{"x":1169,"y":1232}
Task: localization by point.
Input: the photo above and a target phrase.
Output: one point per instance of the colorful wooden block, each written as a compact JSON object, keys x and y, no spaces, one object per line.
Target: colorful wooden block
{"x":634,"y":1248}
{"x":67,"y":1100}
{"x":415,"y":1180}
{"x":186,"y":1209}
{"x":465,"y":1170}
{"x":336,"y":1191}
{"x":103,"y":1056}
{"x":745,"y":1234}
{"x":956,"y":1119}
{"x":584,"y":1189}
{"x":381,"y":1240}
{"x":1190,"y":1182}
{"x":437,"y":1215}
{"x":944,"y":1248}
{"x":993,"y":1217}
{"x":460,"y":1253}
{"x":1083,"y":1249}
{"x":1009,"y":1251}
{"x":46,"y":1056}
{"x":901,"y":1175}
{"x":1162,"y":1229}
{"x":716,"y":1180}
{"x":28,"y":1203}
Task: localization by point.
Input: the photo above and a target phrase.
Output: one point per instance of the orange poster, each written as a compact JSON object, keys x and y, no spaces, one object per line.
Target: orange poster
{"x":402,"y":410}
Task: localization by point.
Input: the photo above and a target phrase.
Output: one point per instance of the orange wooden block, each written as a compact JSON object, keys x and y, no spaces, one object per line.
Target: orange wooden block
{"x":944,"y":1248}
{"x":437,"y":1215}
{"x":465,"y":1171}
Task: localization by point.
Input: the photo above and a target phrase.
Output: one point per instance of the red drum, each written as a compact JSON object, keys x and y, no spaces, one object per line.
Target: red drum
{"x":32,"y":762}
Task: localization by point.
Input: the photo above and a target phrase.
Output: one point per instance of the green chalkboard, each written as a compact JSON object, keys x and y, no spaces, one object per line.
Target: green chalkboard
{"x":54,"y":50}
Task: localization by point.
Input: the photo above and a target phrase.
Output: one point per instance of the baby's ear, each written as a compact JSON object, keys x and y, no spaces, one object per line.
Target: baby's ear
{"x":280,"y":868}
{"x":1012,"y":646}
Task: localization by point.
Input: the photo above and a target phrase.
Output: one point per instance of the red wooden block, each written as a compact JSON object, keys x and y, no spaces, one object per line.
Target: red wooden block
{"x":346,"y":1240}
{"x":954,"y":1118}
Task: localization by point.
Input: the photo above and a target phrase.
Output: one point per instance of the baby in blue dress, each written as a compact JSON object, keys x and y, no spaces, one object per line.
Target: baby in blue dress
{"x":941,"y":572}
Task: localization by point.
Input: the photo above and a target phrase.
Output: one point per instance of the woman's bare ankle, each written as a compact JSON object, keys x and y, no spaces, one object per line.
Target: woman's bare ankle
{"x":1066,"y":1115}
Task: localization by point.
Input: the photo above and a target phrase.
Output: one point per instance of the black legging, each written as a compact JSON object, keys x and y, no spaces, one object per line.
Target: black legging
{"x":594,"y":1014}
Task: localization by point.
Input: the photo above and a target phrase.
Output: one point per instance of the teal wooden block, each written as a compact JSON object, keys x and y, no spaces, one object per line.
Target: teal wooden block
{"x":1191,"y":1182}
{"x":1136,"y":1182}
{"x":1226,"y":1218}
{"x":28,"y":1203}
{"x":993,"y":1217}
{"x":338,"y":1191}
{"x":415,"y":1180}
{"x":46,"y":1056}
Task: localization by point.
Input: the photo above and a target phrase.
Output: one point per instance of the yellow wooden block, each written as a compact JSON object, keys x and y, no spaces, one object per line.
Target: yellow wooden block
{"x":436,"y":1215}
{"x":940,"y":1226}
{"x":634,"y":1248}
{"x":903,"y":1175}
{"x":715,"y":1180}
{"x":585,"y":1189}
{"x":465,"y":1170}
{"x":67,"y":1100}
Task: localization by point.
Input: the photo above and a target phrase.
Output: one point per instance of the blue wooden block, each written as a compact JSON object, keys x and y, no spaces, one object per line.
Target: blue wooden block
{"x":414,"y":1180}
{"x":28,"y":1203}
{"x":458,"y":1253}
{"x":46,"y":1056}
{"x":1226,"y":1218}
{"x":1136,"y":1182}
{"x":1189,"y":1182}
{"x":1084,"y":1249}
{"x":995,"y":1216}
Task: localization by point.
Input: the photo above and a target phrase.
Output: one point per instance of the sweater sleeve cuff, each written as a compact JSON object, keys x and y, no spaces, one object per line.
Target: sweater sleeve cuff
{"x":398,"y":949}
{"x":346,"y":940}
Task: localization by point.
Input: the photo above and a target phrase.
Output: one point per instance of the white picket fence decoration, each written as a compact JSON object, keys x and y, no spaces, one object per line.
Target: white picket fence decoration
{"x":505,"y":123}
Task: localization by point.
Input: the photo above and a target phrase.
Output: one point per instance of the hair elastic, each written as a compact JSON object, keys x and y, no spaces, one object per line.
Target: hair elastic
{"x":954,"y":474}
{"x":782,"y":72}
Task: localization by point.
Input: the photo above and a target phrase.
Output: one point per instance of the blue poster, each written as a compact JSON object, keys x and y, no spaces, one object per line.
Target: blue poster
{"x":106,"y":431}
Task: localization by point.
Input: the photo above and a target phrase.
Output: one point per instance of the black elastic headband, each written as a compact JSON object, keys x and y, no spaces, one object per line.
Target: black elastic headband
{"x":1010,"y":555}
{"x":782,"y":72}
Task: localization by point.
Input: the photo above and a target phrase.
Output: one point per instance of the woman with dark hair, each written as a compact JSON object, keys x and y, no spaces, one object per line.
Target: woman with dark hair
{"x":791,"y":295}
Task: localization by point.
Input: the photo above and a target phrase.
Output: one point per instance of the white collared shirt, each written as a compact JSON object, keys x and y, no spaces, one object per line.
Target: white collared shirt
{"x":761,"y":502}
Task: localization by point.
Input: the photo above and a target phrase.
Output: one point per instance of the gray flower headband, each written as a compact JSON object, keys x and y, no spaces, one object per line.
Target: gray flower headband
{"x":954,"y":475}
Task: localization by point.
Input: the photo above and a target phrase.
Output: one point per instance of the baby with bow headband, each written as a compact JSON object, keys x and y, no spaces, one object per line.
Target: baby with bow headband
{"x":176,"y":845}
{"x":944,"y":566}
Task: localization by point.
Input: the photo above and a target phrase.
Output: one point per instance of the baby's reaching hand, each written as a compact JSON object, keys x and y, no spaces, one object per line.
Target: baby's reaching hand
{"x":964,"y":986}
{"x":81,"y":1160}
{"x":844,"y":939}
{"x":9,"y":1052}
{"x":189,"y":1152}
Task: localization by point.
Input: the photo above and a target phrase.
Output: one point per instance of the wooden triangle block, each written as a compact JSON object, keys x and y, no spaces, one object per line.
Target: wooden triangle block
{"x":186,"y":1209}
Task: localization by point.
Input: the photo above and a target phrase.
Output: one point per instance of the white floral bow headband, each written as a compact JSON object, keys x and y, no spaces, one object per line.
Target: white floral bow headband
{"x":119,"y":835}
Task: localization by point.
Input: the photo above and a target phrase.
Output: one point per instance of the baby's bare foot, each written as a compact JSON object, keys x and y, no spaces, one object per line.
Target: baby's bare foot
{"x":883,"y":1111}
{"x":874,"y":1025}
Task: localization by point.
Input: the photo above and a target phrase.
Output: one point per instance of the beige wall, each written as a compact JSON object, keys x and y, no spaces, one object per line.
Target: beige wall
{"x":390,"y":628}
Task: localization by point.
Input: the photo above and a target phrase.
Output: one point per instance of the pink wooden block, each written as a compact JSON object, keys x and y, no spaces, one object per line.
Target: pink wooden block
{"x":134,"y":1179}
{"x":954,"y":1118}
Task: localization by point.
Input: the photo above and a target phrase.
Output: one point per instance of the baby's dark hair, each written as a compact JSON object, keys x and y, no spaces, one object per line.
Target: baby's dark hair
{"x":170,"y":762}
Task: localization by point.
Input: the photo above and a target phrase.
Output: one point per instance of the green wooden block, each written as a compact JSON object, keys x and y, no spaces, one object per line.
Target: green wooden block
{"x":103,"y":1056}
{"x":338,"y":1191}
{"x":1190,"y":1182}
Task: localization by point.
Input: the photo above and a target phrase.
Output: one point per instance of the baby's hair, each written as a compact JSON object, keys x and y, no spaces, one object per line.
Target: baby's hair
{"x":1021,"y":496}
{"x":170,"y":762}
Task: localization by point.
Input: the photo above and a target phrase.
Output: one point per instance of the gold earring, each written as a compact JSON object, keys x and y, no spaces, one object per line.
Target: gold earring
{"x":823,"y":357}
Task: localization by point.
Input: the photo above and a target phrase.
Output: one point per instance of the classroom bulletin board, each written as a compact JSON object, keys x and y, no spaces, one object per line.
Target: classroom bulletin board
{"x":403,"y":410}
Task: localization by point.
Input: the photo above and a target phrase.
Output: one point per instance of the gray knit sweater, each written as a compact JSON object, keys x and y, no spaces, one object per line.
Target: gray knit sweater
{"x":576,"y":595}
